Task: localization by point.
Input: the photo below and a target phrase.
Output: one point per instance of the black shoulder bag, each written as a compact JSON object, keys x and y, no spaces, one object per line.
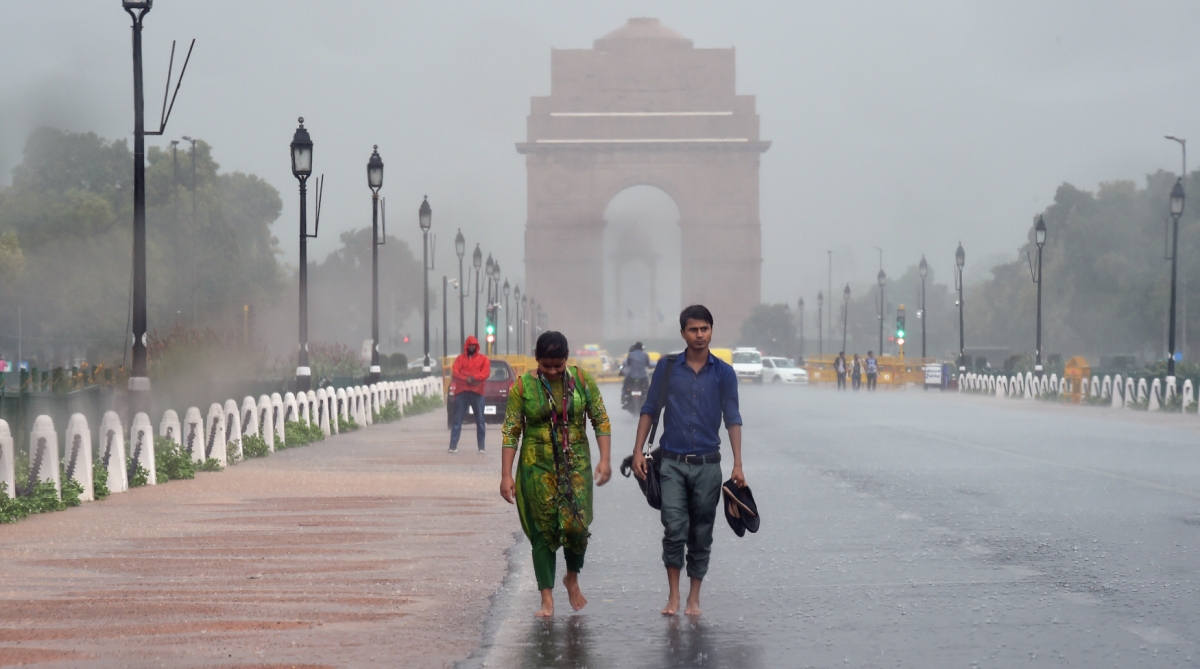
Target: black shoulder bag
{"x":652,"y":487}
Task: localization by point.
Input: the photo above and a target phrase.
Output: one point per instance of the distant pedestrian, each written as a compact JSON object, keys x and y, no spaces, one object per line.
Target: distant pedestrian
{"x":856,"y":369}
{"x":469,"y":375}
{"x":839,"y":366}
{"x":695,"y":390}
{"x":872,"y":370}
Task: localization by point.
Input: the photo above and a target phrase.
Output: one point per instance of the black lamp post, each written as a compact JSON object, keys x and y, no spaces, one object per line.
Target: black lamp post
{"x":1039,"y":237}
{"x":882,"y":278}
{"x":302,"y":154}
{"x":820,"y":327}
{"x":445,"y":318}
{"x":924,"y":267}
{"x":375,"y":182}
{"x":507,"y":291}
{"x":523,"y":322}
{"x":1177,"y":198}
{"x":800,"y":304}
{"x":960,"y":259}
{"x":139,"y":378}
{"x":460,"y":249}
{"x":845,"y":313}
{"x":477,"y":263}
{"x":517,"y":316}
{"x":425,"y":219}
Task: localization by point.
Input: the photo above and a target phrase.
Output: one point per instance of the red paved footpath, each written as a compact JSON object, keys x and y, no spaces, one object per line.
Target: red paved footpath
{"x":374,"y":548}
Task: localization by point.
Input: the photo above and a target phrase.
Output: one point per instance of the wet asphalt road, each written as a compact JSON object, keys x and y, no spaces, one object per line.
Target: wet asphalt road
{"x":901,"y":529}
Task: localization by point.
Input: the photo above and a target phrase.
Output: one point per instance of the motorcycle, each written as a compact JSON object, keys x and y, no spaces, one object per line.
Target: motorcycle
{"x":633,"y":395}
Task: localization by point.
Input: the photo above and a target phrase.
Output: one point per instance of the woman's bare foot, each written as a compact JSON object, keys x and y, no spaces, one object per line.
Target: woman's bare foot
{"x":547,"y":609}
{"x":693,"y":607}
{"x":571,"y":583}
{"x":672,"y":604}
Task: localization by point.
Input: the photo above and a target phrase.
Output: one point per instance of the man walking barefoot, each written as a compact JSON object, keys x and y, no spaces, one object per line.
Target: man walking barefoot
{"x":700,"y":389}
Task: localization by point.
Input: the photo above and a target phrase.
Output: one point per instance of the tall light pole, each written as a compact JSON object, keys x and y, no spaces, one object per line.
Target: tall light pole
{"x":830,"y":294}
{"x":460,"y":249}
{"x":507,"y":290}
{"x":302,"y":154}
{"x":193,"y":227}
{"x":1039,"y":238}
{"x":517,"y":316}
{"x":139,"y":378}
{"x":1177,"y":201}
{"x":375,"y":182}
{"x":882,"y":278}
{"x":820,"y":327}
{"x":477,"y":263}
{"x":425,"y":220}
{"x":800,"y":304}
{"x":960,"y":259}
{"x":445,"y":318}
{"x":523,"y":322}
{"x":845,"y":313}
{"x":924,"y":268}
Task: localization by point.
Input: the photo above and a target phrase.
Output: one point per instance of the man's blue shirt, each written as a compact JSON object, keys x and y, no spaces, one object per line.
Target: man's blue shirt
{"x":694,"y":404}
{"x":636,"y":364}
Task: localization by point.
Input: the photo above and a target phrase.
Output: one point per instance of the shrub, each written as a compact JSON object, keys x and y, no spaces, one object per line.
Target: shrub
{"x":300,"y":434}
{"x":71,"y":490}
{"x":171,"y":462}
{"x":387,"y":413}
{"x":232,"y":456}
{"x":99,"y":480}
{"x":209,"y":465}
{"x":422,"y":404}
{"x":254,"y":446}
{"x":346,"y":425}
{"x":42,"y":497}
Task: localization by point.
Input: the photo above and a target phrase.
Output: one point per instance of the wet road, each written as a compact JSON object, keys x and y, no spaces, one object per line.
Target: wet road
{"x":901,"y":529}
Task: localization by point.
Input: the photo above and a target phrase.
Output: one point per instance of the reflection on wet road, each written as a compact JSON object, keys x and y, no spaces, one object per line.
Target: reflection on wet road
{"x":901,"y":529}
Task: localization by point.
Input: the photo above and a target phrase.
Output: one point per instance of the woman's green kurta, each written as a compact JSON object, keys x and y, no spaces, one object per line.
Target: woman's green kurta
{"x":561,"y":519}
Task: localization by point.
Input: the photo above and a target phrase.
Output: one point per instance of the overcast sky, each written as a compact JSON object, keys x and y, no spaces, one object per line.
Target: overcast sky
{"x":905,"y":128}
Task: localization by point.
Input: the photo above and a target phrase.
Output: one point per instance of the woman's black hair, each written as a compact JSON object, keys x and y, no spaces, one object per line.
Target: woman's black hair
{"x":552,"y":345}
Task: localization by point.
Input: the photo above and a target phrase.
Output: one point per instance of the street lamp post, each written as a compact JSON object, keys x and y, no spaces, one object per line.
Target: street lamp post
{"x":1177,"y":201}
{"x":960,"y":259}
{"x":924,"y":268}
{"x":882,"y":278}
{"x":425,"y":219}
{"x":507,"y":290}
{"x":517,"y":317}
{"x":302,"y":153}
{"x":192,"y":228}
{"x":1039,"y":237}
{"x":139,"y":378}
{"x":820,"y":326}
{"x":845,"y":313}
{"x":445,"y":318}
{"x":477,"y":262}
{"x":800,"y":304}
{"x":375,"y":182}
{"x":460,"y":249}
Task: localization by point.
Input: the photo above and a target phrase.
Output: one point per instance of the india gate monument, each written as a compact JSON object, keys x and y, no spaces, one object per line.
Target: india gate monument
{"x":642,"y":108}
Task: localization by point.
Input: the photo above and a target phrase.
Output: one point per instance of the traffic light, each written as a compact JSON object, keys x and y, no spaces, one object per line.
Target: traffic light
{"x":490,"y":327}
{"x":900,"y":325}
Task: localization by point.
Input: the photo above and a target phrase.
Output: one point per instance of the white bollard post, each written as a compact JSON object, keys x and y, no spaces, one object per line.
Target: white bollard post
{"x":233,"y":429}
{"x":214,"y":437}
{"x":1188,"y":397}
{"x":265,"y":425}
{"x":141,"y":447}
{"x":79,"y":456}
{"x":8,"y":474}
{"x":43,"y":453}
{"x":170,"y":427}
{"x":249,"y":416}
{"x":343,"y":404}
{"x":277,"y":413}
{"x":193,"y":434}
{"x":1134,"y":393}
{"x":1155,"y":394}
{"x":322,"y":411}
{"x":112,"y":451}
{"x":1118,"y":394}
{"x":291,"y":409}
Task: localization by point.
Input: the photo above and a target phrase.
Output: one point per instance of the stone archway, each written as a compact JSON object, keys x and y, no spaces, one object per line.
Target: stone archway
{"x":644,"y":107}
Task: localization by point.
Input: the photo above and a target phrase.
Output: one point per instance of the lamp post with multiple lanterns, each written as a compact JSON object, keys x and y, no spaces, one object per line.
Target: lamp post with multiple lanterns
{"x":1039,"y":238}
{"x":302,"y":153}
{"x":375,"y":182}
{"x":425,"y":220}
{"x":477,"y":263}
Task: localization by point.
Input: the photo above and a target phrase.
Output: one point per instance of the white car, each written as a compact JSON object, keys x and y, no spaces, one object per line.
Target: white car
{"x":782,"y":370}
{"x":748,"y":364}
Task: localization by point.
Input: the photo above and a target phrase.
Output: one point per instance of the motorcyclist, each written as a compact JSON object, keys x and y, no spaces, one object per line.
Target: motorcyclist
{"x":636,"y":371}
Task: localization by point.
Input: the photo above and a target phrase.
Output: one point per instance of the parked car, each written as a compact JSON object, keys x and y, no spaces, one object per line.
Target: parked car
{"x":782,"y":370}
{"x":495,"y":395}
{"x":748,"y":364}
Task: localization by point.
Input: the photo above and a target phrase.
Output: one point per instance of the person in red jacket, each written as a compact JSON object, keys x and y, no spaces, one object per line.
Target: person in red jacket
{"x":470,"y":371}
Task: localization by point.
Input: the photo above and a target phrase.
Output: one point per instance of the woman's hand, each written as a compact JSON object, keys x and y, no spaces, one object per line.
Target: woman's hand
{"x":508,"y":489}
{"x":639,"y":464}
{"x":603,"y":472}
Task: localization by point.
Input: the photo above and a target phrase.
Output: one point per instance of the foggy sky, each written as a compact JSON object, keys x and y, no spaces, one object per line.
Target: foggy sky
{"x":906,"y":128}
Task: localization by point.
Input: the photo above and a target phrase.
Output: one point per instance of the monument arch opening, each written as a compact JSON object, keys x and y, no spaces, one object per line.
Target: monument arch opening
{"x":642,"y":265}
{"x":642,"y":108}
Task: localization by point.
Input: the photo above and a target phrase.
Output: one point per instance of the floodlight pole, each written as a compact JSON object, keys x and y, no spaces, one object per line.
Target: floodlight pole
{"x":139,"y":378}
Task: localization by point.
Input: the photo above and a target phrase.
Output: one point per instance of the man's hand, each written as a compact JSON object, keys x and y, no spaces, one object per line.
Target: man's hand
{"x":470,"y":380}
{"x":603,"y":472}
{"x":738,"y":477}
{"x":508,"y":489}
{"x":639,"y":464}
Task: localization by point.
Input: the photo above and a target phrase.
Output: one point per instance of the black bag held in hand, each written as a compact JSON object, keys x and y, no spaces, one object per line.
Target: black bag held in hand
{"x":652,"y":486}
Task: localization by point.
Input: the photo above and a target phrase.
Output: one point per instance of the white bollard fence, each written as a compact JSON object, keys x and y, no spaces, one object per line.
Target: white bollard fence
{"x":8,"y":475}
{"x":79,"y":456}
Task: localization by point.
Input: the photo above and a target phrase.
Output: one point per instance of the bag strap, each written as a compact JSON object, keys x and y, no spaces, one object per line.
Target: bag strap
{"x":662,"y":396}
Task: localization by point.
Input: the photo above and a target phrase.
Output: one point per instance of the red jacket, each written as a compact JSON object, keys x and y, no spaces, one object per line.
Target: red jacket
{"x":475,"y":366}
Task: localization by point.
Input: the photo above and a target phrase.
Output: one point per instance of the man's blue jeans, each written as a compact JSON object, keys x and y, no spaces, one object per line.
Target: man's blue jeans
{"x":461,"y":402}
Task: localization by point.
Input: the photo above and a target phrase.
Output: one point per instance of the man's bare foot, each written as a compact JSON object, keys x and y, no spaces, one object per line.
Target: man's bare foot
{"x":693,"y":607}
{"x":547,"y":609}
{"x":571,"y":583}
{"x":672,"y":604}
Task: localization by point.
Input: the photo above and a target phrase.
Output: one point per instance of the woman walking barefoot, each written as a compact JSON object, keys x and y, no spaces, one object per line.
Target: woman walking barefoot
{"x":553,"y":486}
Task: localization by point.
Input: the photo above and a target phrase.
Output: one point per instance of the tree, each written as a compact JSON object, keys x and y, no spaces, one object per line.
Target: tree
{"x":770,"y":329}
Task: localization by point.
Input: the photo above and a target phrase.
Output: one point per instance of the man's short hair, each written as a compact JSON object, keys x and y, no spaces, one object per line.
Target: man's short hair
{"x":551,"y":345}
{"x":696,"y":312}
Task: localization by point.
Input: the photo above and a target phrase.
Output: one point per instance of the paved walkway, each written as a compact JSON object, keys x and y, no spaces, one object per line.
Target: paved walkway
{"x":369,"y":549}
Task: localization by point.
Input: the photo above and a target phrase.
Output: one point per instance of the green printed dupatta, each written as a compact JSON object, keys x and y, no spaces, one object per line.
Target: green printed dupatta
{"x":554,"y":467}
